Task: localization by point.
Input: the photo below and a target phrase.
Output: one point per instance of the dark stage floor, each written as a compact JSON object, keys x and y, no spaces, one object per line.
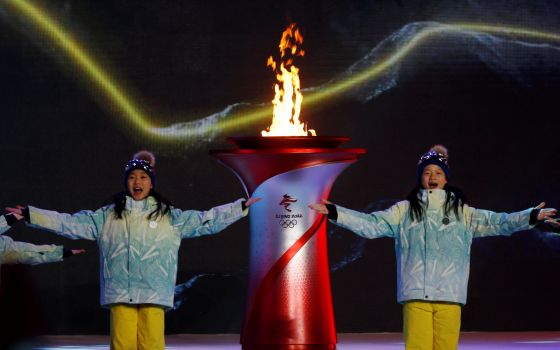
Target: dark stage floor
{"x":361,"y":341}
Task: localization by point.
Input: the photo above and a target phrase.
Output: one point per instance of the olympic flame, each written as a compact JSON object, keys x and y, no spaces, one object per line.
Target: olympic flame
{"x":287,"y":94}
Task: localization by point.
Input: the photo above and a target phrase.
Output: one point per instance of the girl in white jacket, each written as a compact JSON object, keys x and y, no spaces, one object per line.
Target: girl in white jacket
{"x":433,"y":230}
{"x":138,"y":237}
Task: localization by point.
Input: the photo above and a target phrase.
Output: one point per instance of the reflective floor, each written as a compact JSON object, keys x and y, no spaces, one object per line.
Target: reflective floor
{"x":361,"y":341}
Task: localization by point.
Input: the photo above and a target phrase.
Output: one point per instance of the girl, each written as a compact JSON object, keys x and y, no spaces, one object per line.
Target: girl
{"x":433,"y":230}
{"x":138,"y":237}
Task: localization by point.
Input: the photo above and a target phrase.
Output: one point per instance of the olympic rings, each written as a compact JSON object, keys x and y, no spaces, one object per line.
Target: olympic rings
{"x":287,"y":223}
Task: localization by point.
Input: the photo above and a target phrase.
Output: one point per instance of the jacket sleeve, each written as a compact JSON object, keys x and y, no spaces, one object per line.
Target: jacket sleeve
{"x":193,"y":223}
{"x":12,"y":252}
{"x":373,"y":225}
{"x":483,"y":223}
{"x":3,"y":225}
{"x":85,"y":224}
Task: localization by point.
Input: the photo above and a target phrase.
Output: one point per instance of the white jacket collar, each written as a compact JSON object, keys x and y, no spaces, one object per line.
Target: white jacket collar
{"x":433,"y":198}
{"x":145,"y":204}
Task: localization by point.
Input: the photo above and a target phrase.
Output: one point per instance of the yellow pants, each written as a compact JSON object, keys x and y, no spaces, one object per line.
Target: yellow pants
{"x":431,"y":325}
{"x":137,"y":327}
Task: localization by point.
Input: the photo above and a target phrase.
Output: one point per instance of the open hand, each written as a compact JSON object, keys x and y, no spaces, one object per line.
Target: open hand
{"x":251,"y":201}
{"x":321,"y":208}
{"x":17,"y":211}
{"x":545,"y":214}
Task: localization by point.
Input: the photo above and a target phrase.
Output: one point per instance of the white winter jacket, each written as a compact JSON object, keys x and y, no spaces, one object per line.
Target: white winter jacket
{"x":138,"y":257}
{"x":433,"y":255}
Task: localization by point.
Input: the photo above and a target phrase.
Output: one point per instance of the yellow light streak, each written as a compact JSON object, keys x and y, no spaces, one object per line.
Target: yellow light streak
{"x":131,"y":110}
{"x":84,"y":61}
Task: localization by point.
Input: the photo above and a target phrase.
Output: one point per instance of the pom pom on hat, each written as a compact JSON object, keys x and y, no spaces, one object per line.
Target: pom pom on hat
{"x":145,"y":155}
{"x":441,"y":149}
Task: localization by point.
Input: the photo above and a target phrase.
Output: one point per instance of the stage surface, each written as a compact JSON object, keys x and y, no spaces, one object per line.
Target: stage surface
{"x":346,"y":341}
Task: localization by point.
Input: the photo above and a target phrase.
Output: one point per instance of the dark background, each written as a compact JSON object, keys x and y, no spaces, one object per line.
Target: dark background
{"x":492,"y":101}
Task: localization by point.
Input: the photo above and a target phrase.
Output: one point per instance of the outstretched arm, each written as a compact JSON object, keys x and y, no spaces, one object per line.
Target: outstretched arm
{"x":85,"y":224}
{"x":12,"y":252}
{"x":373,"y":225}
{"x":193,"y":223}
{"x":484,"y":223}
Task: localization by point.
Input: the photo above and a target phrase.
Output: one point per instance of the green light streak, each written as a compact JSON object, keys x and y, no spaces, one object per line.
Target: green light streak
{"x":131,"y":110}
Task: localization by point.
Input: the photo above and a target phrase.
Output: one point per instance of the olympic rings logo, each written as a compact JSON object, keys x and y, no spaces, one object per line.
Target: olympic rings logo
{"x":287,"y":223}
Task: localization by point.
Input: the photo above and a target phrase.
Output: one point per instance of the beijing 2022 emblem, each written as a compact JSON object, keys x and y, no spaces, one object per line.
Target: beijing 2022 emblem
{"x":288,"y":220}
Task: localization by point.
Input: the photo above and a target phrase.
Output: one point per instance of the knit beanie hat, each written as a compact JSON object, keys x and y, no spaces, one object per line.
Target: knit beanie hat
{"x":143,"y":160}
{"x":436,"y":155}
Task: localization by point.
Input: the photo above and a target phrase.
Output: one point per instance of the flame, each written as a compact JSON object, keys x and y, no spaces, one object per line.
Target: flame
{"x":287,"y":94}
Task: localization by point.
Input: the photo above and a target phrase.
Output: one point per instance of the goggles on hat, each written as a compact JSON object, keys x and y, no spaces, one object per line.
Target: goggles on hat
{"x":138,"y":164}
{"x":431,"y":155}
